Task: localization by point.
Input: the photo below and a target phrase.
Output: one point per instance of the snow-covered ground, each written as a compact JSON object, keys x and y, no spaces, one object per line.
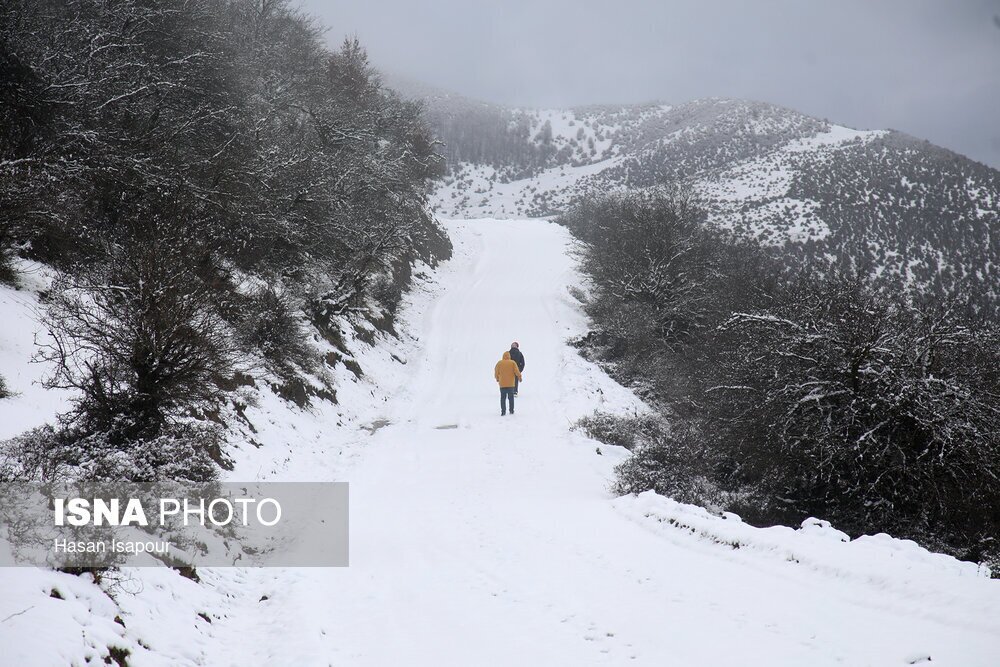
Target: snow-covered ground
{"x":476,"y":190}
{"x":775,"y":214}
{"x":477,"y":539}
{"x":21,"y":333}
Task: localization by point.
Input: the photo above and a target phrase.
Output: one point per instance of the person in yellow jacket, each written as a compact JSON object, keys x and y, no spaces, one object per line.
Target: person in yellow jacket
{"x":507,"y":375}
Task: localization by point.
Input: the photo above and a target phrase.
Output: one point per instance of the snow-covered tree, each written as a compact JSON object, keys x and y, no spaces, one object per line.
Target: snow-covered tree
{"x":204,"y":174}
{"x":788,"y":393}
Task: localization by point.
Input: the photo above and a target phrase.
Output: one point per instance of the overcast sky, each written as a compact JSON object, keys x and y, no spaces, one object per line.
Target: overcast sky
{"x":927,"y":67}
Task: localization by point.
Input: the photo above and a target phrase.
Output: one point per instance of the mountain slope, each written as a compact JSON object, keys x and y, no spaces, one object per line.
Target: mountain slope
{"x":908,"y":212}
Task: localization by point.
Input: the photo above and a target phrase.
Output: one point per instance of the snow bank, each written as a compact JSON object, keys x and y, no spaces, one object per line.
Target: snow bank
{"x":946,"y":585}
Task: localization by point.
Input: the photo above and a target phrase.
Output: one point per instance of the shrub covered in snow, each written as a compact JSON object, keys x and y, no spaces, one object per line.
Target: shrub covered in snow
{"x":138,"y":336}
{"x":179,"y":452}
{"x":8,"y":276}
{"x":270,"y":320}
{"x":161,"y":157}
{"x":870,"y":410}
{"x":678,"y":461}
{"x":662,"y":278}
{"x":814,"y":394}
{"x":628,"y":432}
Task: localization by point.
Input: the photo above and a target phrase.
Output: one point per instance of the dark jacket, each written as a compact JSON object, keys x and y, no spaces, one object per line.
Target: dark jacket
{"x":518,"y":358}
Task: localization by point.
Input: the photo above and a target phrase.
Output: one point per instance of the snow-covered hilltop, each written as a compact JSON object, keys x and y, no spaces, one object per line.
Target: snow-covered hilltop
{"x":903,"y":209}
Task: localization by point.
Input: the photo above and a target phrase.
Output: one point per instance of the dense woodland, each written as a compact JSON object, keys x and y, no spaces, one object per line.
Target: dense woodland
{"x":213,"y":188}
{"x":921,"y":228}
{"x":480,"y":133}
{"x":783,"y":395}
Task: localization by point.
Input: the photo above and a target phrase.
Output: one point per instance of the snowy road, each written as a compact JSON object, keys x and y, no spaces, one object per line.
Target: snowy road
{"x":479,"y":540}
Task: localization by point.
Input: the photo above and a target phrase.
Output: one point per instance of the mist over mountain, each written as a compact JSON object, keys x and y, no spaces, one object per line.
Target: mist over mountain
{"x":908,"y":212}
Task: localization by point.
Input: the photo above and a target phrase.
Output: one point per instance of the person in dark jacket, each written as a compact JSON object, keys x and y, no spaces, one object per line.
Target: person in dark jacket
{"x":518,"y":358}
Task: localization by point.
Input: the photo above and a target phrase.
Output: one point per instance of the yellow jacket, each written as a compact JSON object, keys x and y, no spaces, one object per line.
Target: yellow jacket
{"x":505,"y":371}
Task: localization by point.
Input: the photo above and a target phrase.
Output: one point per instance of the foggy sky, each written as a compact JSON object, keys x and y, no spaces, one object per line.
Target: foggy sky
{"x":927,"y":67}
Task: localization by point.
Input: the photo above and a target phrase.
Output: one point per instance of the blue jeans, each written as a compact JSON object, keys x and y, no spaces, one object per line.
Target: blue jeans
{"x":508,"y":393}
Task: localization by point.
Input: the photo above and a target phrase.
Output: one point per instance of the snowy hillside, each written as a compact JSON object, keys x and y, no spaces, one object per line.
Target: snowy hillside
{"x":902,"y":209}
{"x":478,"y":539}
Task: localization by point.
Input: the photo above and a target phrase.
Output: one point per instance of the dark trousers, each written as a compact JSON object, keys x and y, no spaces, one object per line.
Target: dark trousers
{"x":508,"y":393}
{"x":517,"y":381}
